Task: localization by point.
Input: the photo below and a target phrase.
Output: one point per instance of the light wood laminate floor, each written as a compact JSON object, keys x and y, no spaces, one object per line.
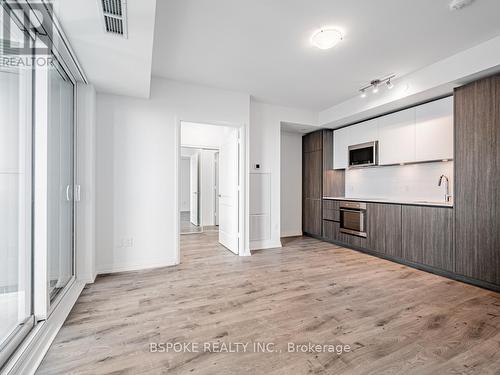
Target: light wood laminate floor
{"x":397,"y":320}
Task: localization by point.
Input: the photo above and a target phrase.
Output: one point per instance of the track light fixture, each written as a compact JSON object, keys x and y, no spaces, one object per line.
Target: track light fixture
{"x":376,"y":84}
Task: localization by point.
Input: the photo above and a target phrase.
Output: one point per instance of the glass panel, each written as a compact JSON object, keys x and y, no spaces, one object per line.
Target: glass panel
{"x":351,"y":220}
{"x":361,"y":156}
{"x":15,"y":189}
{"x":60,"y":180}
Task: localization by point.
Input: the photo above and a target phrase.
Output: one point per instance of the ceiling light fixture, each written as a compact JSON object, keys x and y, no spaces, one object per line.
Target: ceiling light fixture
{"x":376,"y":84}
{"x":460,"y":4}
{"x":326,"y":38}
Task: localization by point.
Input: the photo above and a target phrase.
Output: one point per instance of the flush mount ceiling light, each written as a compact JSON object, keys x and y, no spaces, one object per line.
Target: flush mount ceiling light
{"x":326,"y":38}
{"x":376,"y":84}
{"x":460,"y":4}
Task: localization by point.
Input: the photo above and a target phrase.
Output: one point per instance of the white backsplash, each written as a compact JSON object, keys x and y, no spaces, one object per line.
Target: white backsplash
{"x":411,"y":182}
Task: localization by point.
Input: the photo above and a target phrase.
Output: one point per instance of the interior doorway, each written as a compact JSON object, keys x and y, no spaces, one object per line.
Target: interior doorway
{"x":198,"y":188}
{"x":209,"y":174}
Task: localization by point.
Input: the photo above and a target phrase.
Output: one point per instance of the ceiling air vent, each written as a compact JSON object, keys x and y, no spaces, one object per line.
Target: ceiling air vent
{"x":114,"y":13}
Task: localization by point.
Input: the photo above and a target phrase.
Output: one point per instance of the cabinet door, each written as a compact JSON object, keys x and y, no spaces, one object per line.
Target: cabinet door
{"x":434,"y":130}
{"x":331,"y":232}
{"x":312,"y":217}
{"x":428,"y":236}
{"x":477,"y":171}
{"x":331,"y":210}
{"x":363,"y":132}
{"x":312,"y":183}
{"x":384,"y":228}
{"x":333,"y":180}
{"x":312,"y":142}
{"x":341,"y":142}
{"x":312,"y":173}
{"x":397,"y":137}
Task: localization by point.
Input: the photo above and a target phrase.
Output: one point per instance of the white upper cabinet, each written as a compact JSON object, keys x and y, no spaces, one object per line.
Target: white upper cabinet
{"x":352,"y":135}
{"x":418,"y":134}
{"x":364,"y":132}
{"x":434,"y":130}
{"x":397,"y":137}
{"x":341,"y":141}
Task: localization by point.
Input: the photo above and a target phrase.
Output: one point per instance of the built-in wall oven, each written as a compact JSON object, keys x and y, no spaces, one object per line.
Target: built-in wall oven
{"x":353,"y":218}
{"x":363,"y":155}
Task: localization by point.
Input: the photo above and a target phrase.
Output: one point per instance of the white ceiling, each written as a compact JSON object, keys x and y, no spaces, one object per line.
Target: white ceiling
{"x":113,"y":64}
{"x":262,"y":47}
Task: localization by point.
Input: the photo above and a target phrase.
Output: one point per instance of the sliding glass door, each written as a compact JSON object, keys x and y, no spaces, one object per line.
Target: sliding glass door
{"x":60,"y":168}
{"x":16,"y":313}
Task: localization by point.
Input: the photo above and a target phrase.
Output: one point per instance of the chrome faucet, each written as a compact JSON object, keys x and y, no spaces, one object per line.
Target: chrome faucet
{"x":447,"y":196}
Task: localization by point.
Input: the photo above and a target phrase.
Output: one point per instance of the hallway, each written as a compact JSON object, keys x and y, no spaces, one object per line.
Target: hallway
{"x":395,"y":319}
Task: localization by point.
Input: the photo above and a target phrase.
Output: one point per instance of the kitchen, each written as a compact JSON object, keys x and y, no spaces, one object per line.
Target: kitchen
{"x":412,"y":186}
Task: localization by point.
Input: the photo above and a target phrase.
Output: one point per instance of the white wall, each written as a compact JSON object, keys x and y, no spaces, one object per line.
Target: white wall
{"x":201,"y":135}
{"x":185,"y":191}
{"x":291,"y":184}
{"x":136,"y":178}
{"x":265,"y":139}
{"x":411,"y":182}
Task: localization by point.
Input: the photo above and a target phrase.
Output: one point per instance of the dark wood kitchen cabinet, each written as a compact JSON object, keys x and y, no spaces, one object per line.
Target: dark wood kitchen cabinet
{"x":312,"y":183}
{"x":318,"y":179}
{"x":428,"y":236}
{"x":331,"y":232}
{"x":383,"y":225}
{"x":477,"y":179}
{"x":333,"y":180}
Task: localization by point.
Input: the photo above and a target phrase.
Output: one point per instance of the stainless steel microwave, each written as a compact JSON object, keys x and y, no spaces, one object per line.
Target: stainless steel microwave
{"x":363,"y":155}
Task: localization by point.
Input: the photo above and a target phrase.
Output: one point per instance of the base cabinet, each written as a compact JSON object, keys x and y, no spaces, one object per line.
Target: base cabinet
{"x":331,"y":232}
{"x":312,"y":216}
{"x":418,"y":234}
{"x":428,"y":236}
{"x":384,"y":228}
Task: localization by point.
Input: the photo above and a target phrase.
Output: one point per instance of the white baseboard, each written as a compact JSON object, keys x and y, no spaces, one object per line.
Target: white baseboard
{"x":266,"y":244}
{"x":113,"y":268}
{"x":30,"y":354}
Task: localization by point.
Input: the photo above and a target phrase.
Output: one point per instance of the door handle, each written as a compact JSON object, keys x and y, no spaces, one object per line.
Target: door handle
{"x":77,"y":193}
{"x":67,"y":193}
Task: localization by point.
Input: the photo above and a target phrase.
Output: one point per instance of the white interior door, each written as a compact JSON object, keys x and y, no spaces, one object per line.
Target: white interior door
{"x":228,"y":191}
{"x":194,"y":188}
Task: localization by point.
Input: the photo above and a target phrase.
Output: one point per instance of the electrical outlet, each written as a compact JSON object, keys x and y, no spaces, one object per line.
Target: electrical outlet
{"x":127,"y":242}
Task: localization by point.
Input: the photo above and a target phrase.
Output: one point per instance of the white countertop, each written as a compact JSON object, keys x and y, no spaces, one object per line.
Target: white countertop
{"x":394,"y":201}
